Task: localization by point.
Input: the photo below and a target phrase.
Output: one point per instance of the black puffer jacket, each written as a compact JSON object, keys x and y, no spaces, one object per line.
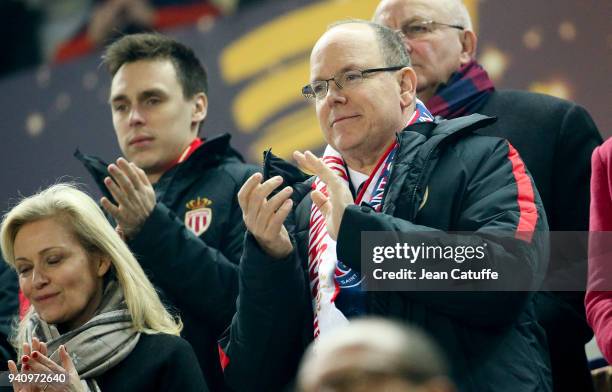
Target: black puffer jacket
{"x":490,"y":338}
{"x":198,"y":275}
{"x":556,"y":139}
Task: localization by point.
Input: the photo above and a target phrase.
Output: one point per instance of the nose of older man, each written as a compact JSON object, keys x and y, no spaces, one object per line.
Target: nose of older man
{"x":335,"y":95}
{"x":407,"y":45}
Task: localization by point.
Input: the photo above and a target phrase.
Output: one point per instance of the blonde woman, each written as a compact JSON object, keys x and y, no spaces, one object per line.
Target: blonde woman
{"x":95,"y":318}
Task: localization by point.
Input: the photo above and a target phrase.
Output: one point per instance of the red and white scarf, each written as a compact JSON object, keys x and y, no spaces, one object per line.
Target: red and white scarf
{"x":324,"y":268}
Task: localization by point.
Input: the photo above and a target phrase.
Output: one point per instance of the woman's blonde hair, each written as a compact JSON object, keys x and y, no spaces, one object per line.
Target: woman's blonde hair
{"x":87,"y":221}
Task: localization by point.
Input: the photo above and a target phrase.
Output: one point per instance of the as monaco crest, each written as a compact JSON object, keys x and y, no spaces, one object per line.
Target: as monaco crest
{"x":199,"y":216}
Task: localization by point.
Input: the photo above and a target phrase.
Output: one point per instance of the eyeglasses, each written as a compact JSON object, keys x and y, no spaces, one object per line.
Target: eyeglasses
{"x":419,"y":28}
{"x":318,"y":89}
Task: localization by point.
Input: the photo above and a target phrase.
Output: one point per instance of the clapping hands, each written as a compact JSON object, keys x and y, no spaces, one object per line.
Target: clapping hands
{"x":40,"y":374}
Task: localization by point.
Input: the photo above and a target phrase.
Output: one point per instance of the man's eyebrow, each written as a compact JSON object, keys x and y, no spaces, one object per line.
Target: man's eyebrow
{"x":117,"y":98}
{"x":346,"y":68}
{"x":413,"y":19}
{"x":154,"y":92}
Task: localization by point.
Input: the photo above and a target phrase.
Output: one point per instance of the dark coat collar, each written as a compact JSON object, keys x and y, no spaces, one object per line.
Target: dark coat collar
{"x":211,"y":153}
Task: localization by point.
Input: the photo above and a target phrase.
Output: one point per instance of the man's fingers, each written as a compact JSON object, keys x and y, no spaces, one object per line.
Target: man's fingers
{"x":326,"y":174}
{"x":253,"y":195}
{"x":277,"y":200}
{"x":129,"y":171}
{"x":120,"y":232}
{"x":257,"y":204}
{"x":302,"y":162}
{"x":337,"y":189}
{"x":322,"y":202}
{"x":141,"y":174}
{"x":271,"y":207}
{"x":308,"y":161}
{"x":115,"y":191}
{"x":305,"y":161}
{"x":121,"y":178}
{"x":262,"y":191}
{"x":110,"y":207}
{"x":246,"y":189}
{"x":264,"y":217}
{"x":275,"y":224}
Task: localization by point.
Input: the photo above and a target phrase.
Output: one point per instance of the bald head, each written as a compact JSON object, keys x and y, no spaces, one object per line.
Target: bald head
{"x":346,"y":35}
{"x":438,"y":37}
{"x":450,"y":11}
{"x":374,"y":354}
{"x":369,"y":100}
{"x":389,"y":42}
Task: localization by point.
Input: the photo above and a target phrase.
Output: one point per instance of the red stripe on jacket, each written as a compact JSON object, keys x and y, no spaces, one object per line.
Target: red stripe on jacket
{"x":223,"y":358}
{"x":528,"y":212}
{"x":24,"y":305}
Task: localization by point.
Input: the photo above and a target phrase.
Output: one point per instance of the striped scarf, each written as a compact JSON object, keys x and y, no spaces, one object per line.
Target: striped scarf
{"x":465,"y":93}
{"x":329,"y":277}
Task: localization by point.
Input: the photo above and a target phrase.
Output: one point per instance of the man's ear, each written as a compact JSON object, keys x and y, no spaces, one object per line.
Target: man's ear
{"x":200,"y":108}
{"x":408,"y":83}
{"x":469,"y":42}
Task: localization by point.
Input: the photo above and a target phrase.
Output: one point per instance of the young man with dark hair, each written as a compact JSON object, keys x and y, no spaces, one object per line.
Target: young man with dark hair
{"x":173,"y":195}
{"x":189,"y":71}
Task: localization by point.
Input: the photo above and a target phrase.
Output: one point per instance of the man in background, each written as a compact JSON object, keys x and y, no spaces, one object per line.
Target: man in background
{"x":554,"y":137}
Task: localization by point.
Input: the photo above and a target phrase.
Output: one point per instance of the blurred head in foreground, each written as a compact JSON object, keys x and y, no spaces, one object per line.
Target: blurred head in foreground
{"x":374,"y":355}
